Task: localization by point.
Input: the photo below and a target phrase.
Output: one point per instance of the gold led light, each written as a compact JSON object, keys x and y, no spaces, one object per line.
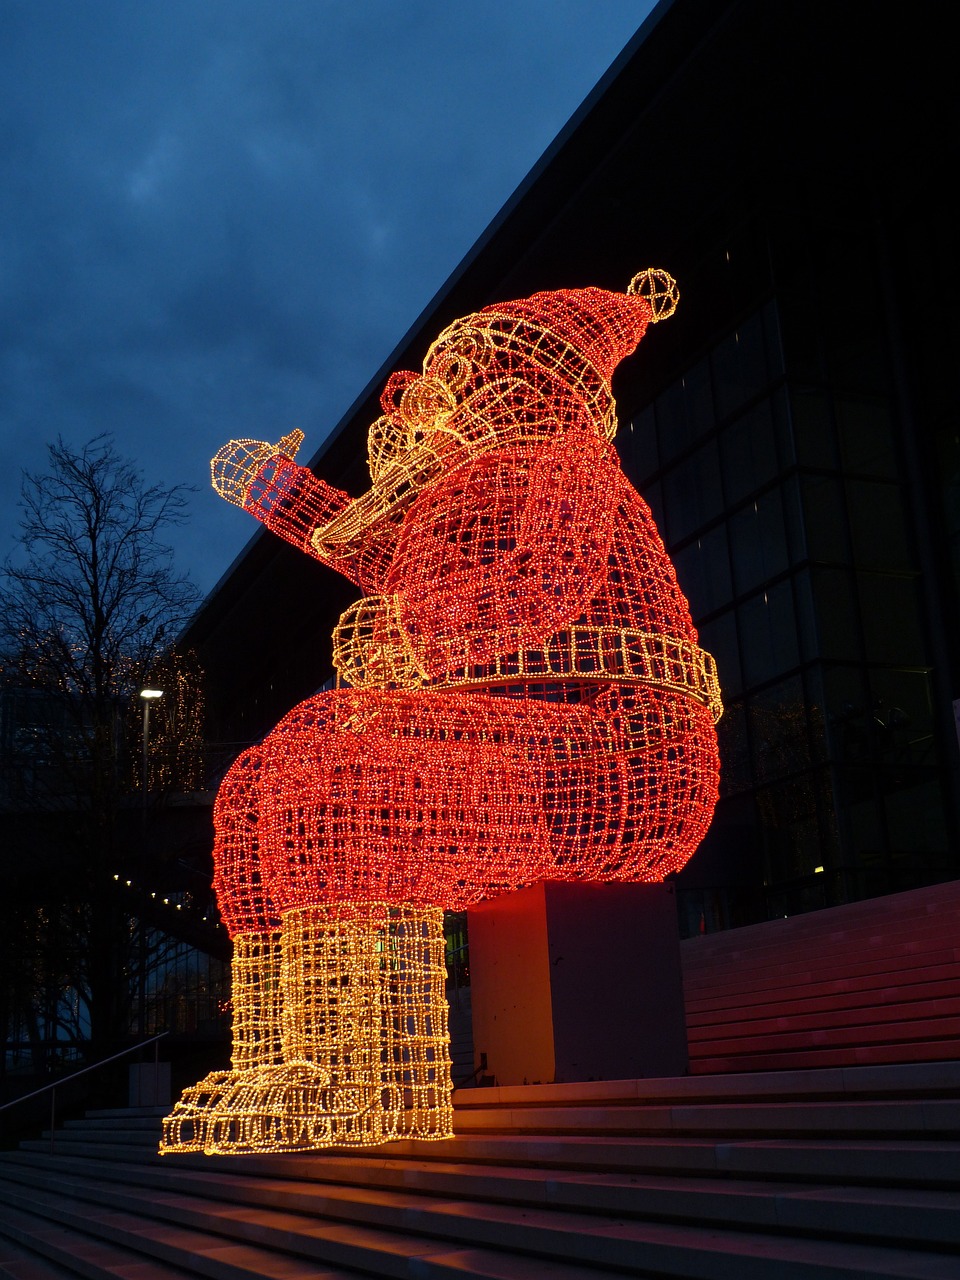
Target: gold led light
{"x":360,"y":1022}
{"x":522,"y":697}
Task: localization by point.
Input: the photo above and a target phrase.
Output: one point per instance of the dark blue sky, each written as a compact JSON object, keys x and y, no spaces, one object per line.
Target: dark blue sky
{"x":217,"y":217}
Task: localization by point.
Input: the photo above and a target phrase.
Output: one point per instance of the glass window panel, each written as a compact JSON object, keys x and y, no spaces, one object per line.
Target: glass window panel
{"x":748,"y":449}
{"x":728,"y":382}
{"x":768,"y":635}
{"x":807,"y":630}
{"x":751,"y":346}
{"x":782,"y":429}
{"x":703,"y":570}
{"x":735,"y":771}
{"x":903,"y":702}
{"x":699,"y":399}
{"x":793,"y":519}
{"x":878,"y":527}
{"x":653,"y":494}
{"x":778,"y":731}
{"x":739,"y":365}
{"x":836,"y":614}
{"x":691,"y":493}
{"x":824,"y":519}
{"x":789,"y":815}
{"x":890,"y":616}
{"x":852,"y":343}
{"x":799,"y":329}
{"x":719,"y":638}
{"x":863,"y":828}
{"x":846,"y":704}
{"x":673,"y":429}
{"x":637,"y":445}
{"x":816,"y":715}
{"x":771,"y":339}
{"x":866,"y":438}
{"x":813,"y":431}
{"x":915,"y":823}
{"x":759,"y":543}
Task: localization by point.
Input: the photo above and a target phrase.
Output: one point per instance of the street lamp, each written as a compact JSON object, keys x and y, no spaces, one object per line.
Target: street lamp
{"x":148,"y":696}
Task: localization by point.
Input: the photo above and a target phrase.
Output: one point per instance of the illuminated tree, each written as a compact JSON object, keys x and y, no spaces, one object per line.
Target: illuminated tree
{"x":88,"y":603}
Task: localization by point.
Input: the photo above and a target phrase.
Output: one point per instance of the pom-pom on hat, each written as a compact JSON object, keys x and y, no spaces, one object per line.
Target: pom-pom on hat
{"x":601,"y":326}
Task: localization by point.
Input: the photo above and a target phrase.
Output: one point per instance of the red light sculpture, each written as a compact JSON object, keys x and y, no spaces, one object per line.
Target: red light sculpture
{"x":522,"y":697}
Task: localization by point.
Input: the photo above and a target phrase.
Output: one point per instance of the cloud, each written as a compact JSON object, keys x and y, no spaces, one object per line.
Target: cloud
{"x":218,"y":218}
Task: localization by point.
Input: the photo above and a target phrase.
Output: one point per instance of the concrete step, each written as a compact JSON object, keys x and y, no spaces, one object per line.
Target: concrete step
{"x":703,"y":975}
{"x":928,"y":1163}
{"x":341,"y":1188}
{"x":892,"y":1162}
{"x":127,"y":1113}
{"x":920,"y":1116}
{"x":910,"y":1081}
{"x":886,"y":1024}
{"x":19,"y":1263}
{"x":782,"y":958}
{"x":116,"y":1138}
{"x":49,"y":1251}
{"x":99,"y":1242}
{"x":923,"y":907}
{"x":746,"y":1057}
{"x":618,"y":1247}
{"x":838,"y":993}
{"x":940,"y":1117}
{"x":776,"y":942}
{"x":838,"y":1172}
{"x":133,"y":1125}
{"x":878,"y":1032}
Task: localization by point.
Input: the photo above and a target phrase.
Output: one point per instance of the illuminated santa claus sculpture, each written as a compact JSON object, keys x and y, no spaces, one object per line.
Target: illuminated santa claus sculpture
{"x":521,"y":698}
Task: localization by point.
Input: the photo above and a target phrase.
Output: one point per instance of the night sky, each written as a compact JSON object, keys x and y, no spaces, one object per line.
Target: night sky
{"x":218,"y":217}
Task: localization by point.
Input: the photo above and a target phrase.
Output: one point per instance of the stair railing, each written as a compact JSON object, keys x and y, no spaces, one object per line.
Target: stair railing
{"x":55,"y":1084}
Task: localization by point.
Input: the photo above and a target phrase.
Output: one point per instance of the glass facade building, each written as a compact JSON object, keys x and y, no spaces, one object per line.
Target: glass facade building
{"x":784,"y":473}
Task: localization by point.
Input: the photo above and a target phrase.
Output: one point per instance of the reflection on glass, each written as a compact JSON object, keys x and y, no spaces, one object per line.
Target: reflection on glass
{"x":692,"y":493}
{"x":866,"y":438}
{"x":878,"y":527}
{"x":749,"y":452}
{"x":758,"y":542}
{"x":703,"y":571}
{"x":719,"y":637}
{"x":768,"y":635}
{"x":891,"y":621}
{"x":813,"y":432}
{"x":825,"y":520}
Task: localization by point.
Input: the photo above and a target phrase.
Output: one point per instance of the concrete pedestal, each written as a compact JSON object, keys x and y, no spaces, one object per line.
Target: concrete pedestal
{"x":575,"y":982}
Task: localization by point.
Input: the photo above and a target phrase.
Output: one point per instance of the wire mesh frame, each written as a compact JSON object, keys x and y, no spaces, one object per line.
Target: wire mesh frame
{"x":361,"y":1028}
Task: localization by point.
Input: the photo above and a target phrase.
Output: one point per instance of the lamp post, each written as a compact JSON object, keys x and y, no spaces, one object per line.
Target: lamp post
{"x":148,"y":696}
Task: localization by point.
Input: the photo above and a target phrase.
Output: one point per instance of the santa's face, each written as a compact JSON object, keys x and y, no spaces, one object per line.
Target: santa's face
{"x":480,"y":388}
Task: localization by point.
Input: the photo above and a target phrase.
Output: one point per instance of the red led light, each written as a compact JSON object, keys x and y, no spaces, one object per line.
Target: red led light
{"x":522,"y":698}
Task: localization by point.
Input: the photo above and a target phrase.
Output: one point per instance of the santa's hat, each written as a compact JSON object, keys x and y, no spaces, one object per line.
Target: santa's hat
{"x":603,"y":327}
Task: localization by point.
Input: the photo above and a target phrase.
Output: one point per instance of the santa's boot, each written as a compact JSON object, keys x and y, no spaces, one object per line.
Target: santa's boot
{"x":365,"y":1046}
{"x":207,"y":1118}
{"x":364,"y":1003}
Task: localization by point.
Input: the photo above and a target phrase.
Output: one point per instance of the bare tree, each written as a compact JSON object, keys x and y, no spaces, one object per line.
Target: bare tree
{"x":88,"y":603}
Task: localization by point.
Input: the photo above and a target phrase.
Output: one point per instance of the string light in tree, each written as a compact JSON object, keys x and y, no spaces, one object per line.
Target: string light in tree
{"x":521,"y":696}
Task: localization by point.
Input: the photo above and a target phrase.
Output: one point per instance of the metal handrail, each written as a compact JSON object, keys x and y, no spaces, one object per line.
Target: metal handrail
{"x":55,"y":1084}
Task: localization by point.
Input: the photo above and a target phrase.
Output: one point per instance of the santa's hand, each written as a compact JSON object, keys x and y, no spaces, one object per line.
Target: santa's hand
{"x":236,"y":466}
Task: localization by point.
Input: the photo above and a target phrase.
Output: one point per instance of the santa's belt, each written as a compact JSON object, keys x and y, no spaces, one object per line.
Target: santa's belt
{"x":371,"y":650}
